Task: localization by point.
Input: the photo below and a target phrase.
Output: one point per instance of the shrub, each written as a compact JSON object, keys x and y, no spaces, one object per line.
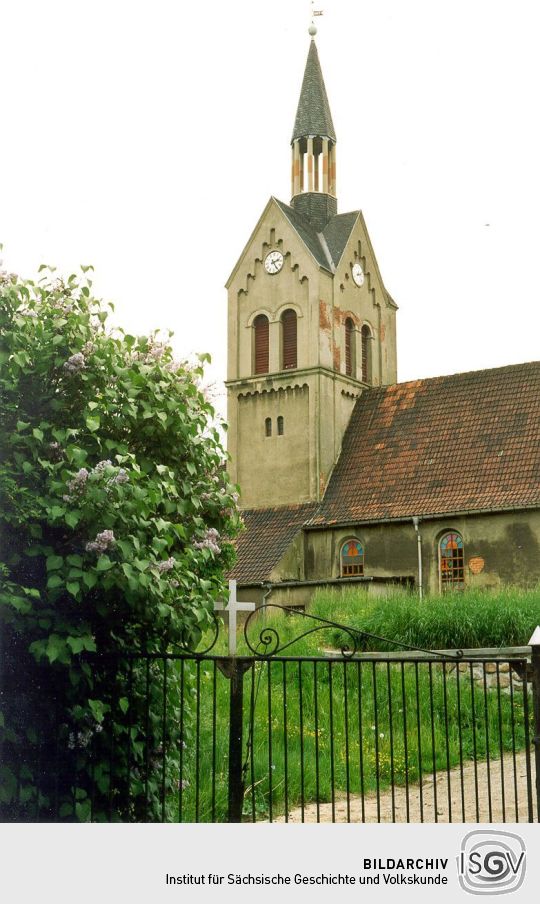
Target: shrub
{"x":117,"y":517}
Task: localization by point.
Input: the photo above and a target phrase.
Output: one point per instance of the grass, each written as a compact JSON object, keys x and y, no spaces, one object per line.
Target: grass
{"x":451,"y":621}
{"x":324,"y":729}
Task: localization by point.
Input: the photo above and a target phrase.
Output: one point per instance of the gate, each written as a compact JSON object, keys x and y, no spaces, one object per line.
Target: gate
{"x":411,"y":736}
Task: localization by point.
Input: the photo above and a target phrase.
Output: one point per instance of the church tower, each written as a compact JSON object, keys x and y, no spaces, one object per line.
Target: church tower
{"x":310,"y":324}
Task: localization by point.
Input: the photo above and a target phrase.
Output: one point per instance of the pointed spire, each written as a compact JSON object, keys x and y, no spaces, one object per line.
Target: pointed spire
{"x":313,"y":115}
{"x":313,"y":171}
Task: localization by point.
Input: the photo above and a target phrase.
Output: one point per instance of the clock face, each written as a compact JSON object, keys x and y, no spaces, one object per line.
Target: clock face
{"x":358,"y":274}
{"x":273,"y":262}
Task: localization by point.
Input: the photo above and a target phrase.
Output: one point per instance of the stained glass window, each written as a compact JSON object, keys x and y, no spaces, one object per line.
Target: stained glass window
{"x":352,"y":558}
{"x":451,"y":562}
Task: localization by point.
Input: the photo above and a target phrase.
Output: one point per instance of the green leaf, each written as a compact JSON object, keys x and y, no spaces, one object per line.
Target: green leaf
{"x":141,"y":564}
{"x":93,"y":405}
{"x":55,"y":581}
{"x":73,"y":518}
{"x":90,"y":579}
{"x":76,"y":561}
{"x":53,"y":563}
{"x":83,"y":810}
{"x":56,"y":648}
{"x":73,"y":587}
{"x":104,"y":563}
{"x":78,"y":644}
{"x":56,"y":511}
{"x":98,"y":709}
{"x":75,"y":573}
{"x":93,"y":423}
{"x":20,"y":603}
{"x":123,"y":703}
{"x":37,"y":433}
{"x":22,"y":425}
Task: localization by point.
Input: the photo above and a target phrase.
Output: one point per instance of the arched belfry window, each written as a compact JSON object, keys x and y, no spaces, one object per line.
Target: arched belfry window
{"x":268,"y":426}
{"x":351,"y":559}
{"x":280,"y":425}
{"x":366,"y":354}
{"x":451,"y":561}
{"x":350,"y":349}
{"x":289,"y":339}
{"x":261,"y":344}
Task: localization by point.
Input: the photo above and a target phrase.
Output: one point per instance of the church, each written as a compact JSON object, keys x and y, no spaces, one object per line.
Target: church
{"x":346,"y":476}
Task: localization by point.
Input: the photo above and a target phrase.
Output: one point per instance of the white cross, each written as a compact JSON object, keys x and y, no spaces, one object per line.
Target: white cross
{"x":233,"y":606}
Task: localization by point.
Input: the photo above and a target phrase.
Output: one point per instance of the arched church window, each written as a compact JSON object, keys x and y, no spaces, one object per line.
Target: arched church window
{"x":350,"y":356}
{"x":451,"y":561}
{"x":351,"y":558}
{"x":261,"y":349}
{"x":280,"y":425}
{"x":268,"y":426}
{"x":288,"y":339}
{"x":366,"y":354}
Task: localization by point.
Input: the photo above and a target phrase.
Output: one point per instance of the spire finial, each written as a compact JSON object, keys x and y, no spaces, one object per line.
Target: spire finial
{"x":312,"y":30}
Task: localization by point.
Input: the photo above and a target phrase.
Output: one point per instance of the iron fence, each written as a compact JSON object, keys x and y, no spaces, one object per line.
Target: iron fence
{"x":414,"y":736}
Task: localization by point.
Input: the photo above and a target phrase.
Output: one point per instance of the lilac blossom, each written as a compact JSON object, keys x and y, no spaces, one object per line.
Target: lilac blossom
{"x":75,"y":363}
{"x":79,"y":481}
{"x":102,"y":466}
{"x":167,"y":565}
{"x":209,"y":541}
{"x":104,"y":541}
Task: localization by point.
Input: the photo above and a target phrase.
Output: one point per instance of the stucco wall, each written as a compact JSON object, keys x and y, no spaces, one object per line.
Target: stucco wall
{"x":286,"y":456}
{"x":316,"y":398}
{"x":508,"y":543}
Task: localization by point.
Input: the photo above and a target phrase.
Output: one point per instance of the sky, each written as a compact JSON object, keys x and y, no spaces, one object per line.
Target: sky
{"x":146,"y":138}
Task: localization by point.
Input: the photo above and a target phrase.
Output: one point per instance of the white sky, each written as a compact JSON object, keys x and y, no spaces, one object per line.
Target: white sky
{"x":146,"y":138}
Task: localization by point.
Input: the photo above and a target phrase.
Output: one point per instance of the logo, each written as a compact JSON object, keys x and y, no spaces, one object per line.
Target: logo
{"x":491,"y":863}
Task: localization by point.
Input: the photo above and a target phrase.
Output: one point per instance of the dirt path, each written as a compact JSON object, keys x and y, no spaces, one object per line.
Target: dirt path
{"x":474,"y":789}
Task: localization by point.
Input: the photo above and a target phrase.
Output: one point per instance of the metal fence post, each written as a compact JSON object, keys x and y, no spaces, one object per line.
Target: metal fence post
{"x":234,"y":670}
{"x":236,"y":711}
{"x":535,"y":663}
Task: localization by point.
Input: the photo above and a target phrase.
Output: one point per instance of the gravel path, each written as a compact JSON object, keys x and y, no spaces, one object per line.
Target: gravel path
{"x":473,"y":789}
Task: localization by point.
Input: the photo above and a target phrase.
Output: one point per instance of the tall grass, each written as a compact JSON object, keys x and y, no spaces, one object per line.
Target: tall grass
{"x":324,"y":729}
{"x":450,"y":621}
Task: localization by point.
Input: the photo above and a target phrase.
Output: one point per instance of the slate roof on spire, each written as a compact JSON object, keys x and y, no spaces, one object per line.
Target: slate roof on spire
{"x":313,"y":115}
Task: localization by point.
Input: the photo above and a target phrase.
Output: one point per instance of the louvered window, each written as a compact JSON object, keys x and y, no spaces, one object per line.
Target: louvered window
{"x":261,"y":327}
{"x":366,"y":354}
{"x":350,"y":368}
{"x":289,"y":333}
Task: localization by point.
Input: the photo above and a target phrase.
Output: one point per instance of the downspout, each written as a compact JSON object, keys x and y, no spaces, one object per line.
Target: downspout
{"x":269,"y":588}
{"x":416,"y":522}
